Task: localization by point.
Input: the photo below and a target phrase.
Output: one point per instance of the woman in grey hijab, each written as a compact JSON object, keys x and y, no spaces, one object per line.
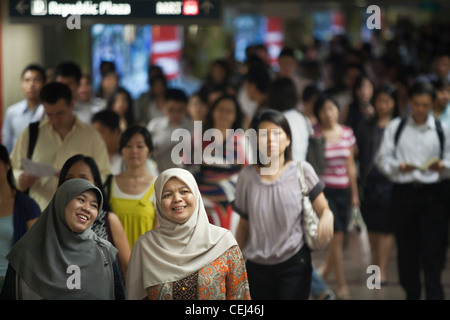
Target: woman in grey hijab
{"x":60,"y":257}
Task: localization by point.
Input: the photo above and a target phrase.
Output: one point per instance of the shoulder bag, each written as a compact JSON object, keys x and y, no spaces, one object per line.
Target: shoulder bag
{"x":315,"y":154}
{"x":310,"y":220}
{"x":33,"y":132}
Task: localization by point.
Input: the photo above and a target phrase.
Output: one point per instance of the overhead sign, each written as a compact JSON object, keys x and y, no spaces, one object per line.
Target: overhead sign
{"x":129,"y":11}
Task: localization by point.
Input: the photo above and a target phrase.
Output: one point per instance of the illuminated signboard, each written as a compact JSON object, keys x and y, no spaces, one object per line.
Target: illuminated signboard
{"x":192,"y":11}
{"x":190,"y":8}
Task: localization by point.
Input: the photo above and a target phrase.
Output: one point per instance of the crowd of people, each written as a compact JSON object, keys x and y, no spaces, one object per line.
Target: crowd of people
{"x":163,"y":197}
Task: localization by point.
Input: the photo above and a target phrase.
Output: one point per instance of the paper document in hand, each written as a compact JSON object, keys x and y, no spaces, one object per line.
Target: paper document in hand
{"x":430,"y":162}
{"x":427,"y":164}
{"x":38,"y":169}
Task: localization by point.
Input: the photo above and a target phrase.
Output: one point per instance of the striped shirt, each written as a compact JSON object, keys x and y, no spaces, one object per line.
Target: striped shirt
{"x":336,"y":158}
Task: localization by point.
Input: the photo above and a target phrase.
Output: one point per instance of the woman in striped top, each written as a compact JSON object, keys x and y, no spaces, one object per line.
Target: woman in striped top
{"x":341,"y":188}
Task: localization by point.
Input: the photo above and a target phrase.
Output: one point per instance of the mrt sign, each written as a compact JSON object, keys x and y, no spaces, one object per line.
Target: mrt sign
{"x":119,"y":11}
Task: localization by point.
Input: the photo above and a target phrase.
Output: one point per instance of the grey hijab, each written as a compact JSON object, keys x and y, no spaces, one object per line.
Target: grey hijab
{"x":43,"y":255}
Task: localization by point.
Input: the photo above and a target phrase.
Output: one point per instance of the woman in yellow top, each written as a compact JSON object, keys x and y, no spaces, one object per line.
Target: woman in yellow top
{"x":132,"y":191}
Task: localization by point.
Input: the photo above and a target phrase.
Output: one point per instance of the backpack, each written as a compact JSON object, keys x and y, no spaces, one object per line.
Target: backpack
{"x":34,"y":132}
{"x":439,"y":131}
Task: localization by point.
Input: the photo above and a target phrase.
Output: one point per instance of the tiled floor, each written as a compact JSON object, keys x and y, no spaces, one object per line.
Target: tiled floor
{"x":355,"y":267}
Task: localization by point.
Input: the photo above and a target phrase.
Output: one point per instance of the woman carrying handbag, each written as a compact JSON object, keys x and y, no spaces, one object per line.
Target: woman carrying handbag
{"x":269,"y":200}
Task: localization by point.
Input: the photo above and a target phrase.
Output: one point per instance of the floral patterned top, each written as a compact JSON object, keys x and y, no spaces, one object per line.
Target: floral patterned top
{"x":223,"y":279}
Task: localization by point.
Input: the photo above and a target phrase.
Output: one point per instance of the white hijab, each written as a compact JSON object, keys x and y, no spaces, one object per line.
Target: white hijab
{"x":174,"y":251}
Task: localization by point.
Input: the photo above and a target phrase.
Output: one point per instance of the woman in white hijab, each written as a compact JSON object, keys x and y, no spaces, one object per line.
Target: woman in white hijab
{"x":60,"y":257}
{"x":186,"y":257}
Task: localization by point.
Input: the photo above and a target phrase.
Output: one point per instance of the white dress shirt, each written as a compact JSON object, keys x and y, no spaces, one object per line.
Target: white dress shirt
{"x":416,"y":145}
{"x":161,"y":132}
{"x":86,"y":110}
{"x":300,"y":135}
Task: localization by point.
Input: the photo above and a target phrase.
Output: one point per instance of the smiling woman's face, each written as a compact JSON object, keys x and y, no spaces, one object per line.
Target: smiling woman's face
{"x":177,"y":201}
{"x":82,"y":211}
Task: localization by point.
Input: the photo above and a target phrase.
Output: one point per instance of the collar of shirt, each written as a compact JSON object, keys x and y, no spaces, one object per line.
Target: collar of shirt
{"x":26,"y":109}
{"x":46,"y":122}
{"x":24,"y":105}
{"x":429,"y":123}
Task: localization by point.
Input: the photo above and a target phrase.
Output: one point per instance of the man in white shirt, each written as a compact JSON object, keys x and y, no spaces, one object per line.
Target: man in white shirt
{"x":61,"y":135}
{"x":161,"y":128}
{"x":283,"y":97}
{"x":419,"y":205}
{"x":257,"y":83}
{"x":289,"y":68}
{"x":440,"y":67}
{"x":70,"y":74}
{"x":87,"y":104}
{"x":19,"y":115}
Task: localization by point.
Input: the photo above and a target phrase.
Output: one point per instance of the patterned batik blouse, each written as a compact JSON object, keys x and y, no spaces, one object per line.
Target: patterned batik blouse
{"x":225,"y":278}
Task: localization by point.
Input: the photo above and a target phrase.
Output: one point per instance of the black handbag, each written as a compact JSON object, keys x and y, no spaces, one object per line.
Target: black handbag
{"x":316,"y":153}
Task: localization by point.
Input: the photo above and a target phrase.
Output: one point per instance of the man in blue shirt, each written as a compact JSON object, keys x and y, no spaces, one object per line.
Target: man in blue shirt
{"x":19,"y":115}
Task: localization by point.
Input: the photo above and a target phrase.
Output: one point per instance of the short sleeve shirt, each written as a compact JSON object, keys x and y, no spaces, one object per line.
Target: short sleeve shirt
{"x":336,"y":159}
{"x":273,"y":210}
